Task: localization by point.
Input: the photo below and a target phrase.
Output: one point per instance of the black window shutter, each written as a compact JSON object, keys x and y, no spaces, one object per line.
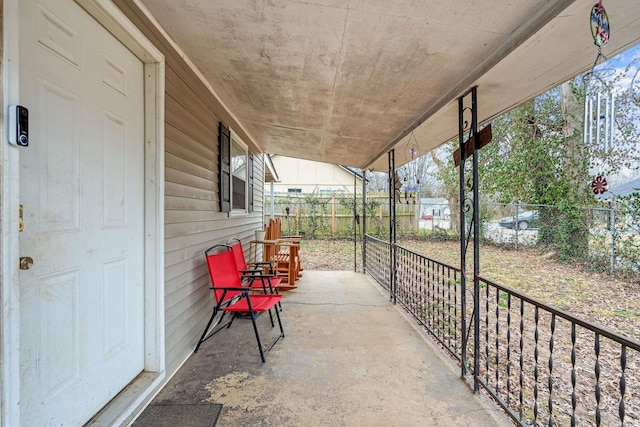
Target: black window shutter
{"x":250,"y":189}
{"x":224,"y":161}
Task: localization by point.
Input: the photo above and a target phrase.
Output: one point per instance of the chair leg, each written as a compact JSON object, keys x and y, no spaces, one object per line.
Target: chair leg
{"x":271,"y":318}
{"x":272,"y":289}
{"x":204,"y":334}
{"x":281,"y":332}
{"x":275,"y":290}
{"x":255,"y":329}
{"x":280,"y":324}
{"x":233,"y":317}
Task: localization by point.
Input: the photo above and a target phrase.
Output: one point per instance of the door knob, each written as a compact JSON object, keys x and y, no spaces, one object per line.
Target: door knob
{"x":26,"y":262}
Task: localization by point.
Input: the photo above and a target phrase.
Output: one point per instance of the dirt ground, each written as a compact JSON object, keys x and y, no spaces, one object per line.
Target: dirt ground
{"x":610,"y":301}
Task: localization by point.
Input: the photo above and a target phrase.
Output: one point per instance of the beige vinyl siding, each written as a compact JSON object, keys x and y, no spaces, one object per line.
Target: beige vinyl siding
{"x":193,"y":221}
{"x":310,"y":176}
{"x":258,"y":187}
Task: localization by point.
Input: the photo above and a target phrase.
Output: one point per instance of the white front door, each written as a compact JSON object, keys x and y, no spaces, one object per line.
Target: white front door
{"x":82,"y":189}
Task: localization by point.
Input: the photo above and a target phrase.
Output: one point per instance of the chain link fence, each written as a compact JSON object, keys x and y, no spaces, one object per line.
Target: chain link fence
{"x":612,"y":231}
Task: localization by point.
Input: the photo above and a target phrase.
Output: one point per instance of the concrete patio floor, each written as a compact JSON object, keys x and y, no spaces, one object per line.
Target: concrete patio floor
{"x":349,"y":358}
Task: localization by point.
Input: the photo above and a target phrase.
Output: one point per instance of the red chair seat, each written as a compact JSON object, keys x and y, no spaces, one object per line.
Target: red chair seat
{"x":259,"y":303}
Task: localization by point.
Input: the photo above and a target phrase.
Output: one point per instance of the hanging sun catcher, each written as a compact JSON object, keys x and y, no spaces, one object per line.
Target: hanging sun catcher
{"x":600,"y":32}
{"x":599,"y":25}
{"x":412,"y":150}
{"x":411,"y":181}
{"x":599,"y":185}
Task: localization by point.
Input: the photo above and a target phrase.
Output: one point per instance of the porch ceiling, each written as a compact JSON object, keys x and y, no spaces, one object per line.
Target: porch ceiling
{"x":344,"y":81}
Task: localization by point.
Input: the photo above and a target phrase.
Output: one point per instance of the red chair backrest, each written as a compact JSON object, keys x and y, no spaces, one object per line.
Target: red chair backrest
{"x":224,"y":274}
{"x":238,"y":254}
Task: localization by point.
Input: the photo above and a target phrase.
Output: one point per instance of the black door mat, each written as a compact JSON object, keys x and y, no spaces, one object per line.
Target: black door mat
{"x":199,"y":415}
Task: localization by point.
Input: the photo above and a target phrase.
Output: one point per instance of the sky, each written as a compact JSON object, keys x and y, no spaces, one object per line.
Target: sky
{"x":617,"y":66}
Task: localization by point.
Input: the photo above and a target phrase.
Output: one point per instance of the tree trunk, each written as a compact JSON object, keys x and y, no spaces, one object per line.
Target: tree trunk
{"x":574,"y":219}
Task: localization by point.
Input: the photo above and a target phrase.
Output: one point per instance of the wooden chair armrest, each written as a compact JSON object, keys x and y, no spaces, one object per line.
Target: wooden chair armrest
{"x":260,"y":263}
{"x":291,"y":238}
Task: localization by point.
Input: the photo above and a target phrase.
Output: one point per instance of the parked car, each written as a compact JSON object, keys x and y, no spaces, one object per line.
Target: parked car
{"x":525,"y":220}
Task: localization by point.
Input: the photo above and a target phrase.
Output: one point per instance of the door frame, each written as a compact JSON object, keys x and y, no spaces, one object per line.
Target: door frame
{"x":144,"y":386}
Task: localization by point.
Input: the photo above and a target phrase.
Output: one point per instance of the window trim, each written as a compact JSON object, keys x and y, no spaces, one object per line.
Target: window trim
{"x":245,"y":149}
{"x":226,"y":139}
{"x":224,"y":167}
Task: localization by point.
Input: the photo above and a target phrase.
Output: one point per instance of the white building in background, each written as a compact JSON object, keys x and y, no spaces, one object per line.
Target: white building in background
{"x":435,"y":212}
{"x":298,"y":176}
{"x":434,"y":208}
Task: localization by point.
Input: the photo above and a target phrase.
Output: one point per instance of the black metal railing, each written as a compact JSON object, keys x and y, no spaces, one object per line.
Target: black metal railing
{"x":548,"y":367}
{"x":378,"y":258}
{"x":428,"y":289}
{"x":543,"y":365}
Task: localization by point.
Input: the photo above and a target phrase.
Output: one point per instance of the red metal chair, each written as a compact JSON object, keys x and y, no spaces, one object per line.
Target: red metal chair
{"x":256,"y":276}
{"x":232,"y":296}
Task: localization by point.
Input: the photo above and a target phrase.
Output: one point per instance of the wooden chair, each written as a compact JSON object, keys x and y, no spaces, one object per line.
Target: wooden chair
{"x":231,"y":296}
{"x":285,"y":252}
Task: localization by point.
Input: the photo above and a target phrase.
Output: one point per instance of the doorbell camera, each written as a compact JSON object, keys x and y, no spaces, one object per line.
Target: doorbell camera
{"x":19,"y":125}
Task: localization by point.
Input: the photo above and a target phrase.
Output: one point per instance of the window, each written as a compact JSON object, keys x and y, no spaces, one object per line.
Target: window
{"x":236,"y":173}
{"x":294,"y":190}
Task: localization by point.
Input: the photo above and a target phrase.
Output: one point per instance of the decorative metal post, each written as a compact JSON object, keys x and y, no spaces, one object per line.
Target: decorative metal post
{"x":364,"y":221}
{"x":392,"y":226}
{"x":356,"y":220}
{"x":476,"y":238}
{"x":470,"y":204}
{"x":463,"y":243}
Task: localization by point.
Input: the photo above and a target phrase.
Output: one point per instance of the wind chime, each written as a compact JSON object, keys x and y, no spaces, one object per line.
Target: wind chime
{"x":603,"y":119}
{"x":410,"y":182}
